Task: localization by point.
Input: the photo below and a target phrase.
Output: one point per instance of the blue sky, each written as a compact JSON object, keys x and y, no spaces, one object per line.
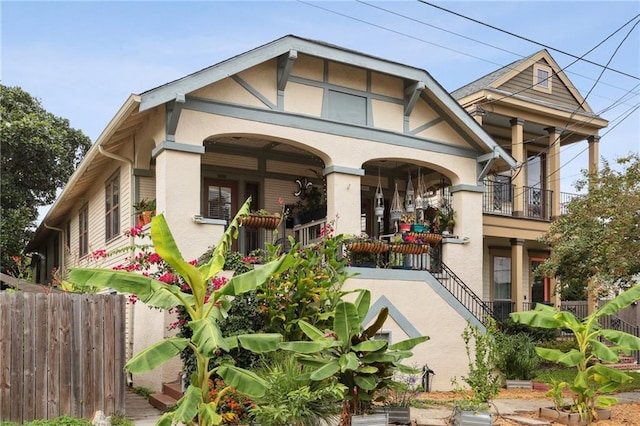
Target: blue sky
{"x":83,"y":59}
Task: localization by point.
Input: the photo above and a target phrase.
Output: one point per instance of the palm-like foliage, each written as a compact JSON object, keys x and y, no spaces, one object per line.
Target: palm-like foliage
{"x":204,"y":312}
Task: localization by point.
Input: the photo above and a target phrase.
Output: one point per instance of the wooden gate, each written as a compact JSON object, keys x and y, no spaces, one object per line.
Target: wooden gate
{"x":61,"y":353}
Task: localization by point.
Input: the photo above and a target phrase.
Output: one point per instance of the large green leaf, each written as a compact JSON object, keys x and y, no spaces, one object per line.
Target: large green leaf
{"x":260,"y":342}
{"x":367,"y":381}
{"x":346,"y":323}
{"x":369,"y":346}
{"x":209,"y":414}
{"x":245,"y":381}
{"x":605,"y":401}
{"x":250,"y":280}
{"x":348,"y":361}
{"x":216,"y":263}
{"x":619,"y":302}
{"x":312,"y":332}
{"x":156,"y":355}
{"x":611,"y":373}
{"x":165,"y":245}
{"x":363,"y":301}
{"x":407,"y":345}
{"x":624,"y":340}
{"x":148,"y":290}
{"x":188,"y":405}
{"x":603,"y":352}
{"x":305,"y":347}
{"x":326,"y":371}
{"x":166,"y":419}
{"x":207,"y":336}
{"x":538,"y":318}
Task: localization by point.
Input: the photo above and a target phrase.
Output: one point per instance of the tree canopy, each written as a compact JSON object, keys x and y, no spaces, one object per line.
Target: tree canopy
{"x":40,"y":151}
{"x":598,"y":240}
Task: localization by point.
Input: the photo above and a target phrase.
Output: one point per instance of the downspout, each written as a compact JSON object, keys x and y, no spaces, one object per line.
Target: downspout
{"x":130,"y":312}
{"x":63,"y":261}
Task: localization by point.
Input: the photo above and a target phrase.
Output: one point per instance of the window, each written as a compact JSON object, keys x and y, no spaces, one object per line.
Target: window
{"x":67,"y":240}
{"x":501,"y":278}
{"x":220,"y":198}
{"x":83,"y":231}
{"x":542,"y":78}
{"x":112,"y":207}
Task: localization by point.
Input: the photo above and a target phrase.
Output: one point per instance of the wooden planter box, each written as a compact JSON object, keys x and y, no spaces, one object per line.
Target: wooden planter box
{"x":566,"y":418}
{"x":519,"y":384}
{"x":409,"y":248}
{"x":368,"y":247}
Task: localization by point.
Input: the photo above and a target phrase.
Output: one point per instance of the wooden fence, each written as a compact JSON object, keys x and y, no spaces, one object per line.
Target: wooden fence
{"x":60,"y":354}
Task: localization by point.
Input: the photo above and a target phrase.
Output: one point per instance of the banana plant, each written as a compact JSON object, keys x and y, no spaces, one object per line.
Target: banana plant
{"x":593,"y":379}
{"x":204,"y":311}
{"x":362,"y":364}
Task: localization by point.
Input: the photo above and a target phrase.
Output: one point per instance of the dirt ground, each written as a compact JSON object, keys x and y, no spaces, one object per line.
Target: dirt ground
{"x":623,"y":414}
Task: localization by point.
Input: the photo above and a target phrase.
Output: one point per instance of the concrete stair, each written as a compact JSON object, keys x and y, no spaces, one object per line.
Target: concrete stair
{"x":171,"y":393}
{"x":626,"y":363}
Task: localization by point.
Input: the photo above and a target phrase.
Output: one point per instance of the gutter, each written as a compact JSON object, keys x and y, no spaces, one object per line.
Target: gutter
{"x":130,"y":105}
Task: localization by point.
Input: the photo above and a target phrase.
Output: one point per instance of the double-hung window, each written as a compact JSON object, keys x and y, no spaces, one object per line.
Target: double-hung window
{"x":112,"y":207}
{"x":83,"y":231}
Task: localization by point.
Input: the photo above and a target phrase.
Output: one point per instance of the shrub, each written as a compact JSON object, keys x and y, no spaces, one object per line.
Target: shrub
{"x":517,"y":356}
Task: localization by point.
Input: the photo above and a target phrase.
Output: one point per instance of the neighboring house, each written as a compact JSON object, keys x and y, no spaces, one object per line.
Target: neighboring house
{"x":294,"y":110}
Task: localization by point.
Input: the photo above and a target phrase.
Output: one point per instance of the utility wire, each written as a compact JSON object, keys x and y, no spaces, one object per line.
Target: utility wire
{"x":528,"y":39}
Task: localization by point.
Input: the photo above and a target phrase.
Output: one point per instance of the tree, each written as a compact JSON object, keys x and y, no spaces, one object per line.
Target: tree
{"x":598,"y":240}
{"x":39,"y":153}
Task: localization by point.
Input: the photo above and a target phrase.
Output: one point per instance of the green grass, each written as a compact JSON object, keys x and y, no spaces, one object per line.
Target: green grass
{"x":142,"y":391}
{"x":117,"y":419}
{"x":567,"y":375}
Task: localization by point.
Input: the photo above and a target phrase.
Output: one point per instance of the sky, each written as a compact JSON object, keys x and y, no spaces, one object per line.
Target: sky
{"x":82,"y":59}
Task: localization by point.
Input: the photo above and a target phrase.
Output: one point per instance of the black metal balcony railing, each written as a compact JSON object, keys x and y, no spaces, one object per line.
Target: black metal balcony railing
{"x":501,"y":198}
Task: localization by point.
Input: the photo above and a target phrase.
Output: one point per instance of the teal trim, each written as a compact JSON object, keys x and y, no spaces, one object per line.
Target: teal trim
{"x":394,"y":313}
{"x":173,"y":115}
{"x":285,"y":65}
{"x":174,"y":146}
{"x":423,"y":276}
{"x":144,"y":172}
{"x":343,"y":170}
{"x":466,"y":188}
{"x":425,"y":126}
{"x":325,"y":126}
{"x":249,"y":88}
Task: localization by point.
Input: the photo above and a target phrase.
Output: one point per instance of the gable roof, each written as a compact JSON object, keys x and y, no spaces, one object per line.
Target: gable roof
{"x":494,"y":80}
{"x":294,"y":44}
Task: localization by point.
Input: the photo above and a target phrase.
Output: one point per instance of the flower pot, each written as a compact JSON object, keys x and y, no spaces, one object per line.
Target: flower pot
{"x":431,"y":238}
{"x":417,"y":227}
{"x":468,"y":418}
{"x":260,"y":221}
{"x":368,"y":247}
{"x":410,"y":248}
{"x":144,"y":218}
{"x":405,"y":227}
{"x":397,"y":415}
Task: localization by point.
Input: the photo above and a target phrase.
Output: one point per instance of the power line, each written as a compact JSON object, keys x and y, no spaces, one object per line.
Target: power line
{"x":528,"y":39}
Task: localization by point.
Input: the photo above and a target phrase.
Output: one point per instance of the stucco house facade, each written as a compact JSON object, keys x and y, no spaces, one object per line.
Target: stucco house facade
{"x":297,"y":110}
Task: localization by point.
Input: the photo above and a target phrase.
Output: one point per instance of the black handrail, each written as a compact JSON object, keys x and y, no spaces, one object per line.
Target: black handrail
{"x":465,"y":295}
{"x":614,"y":322}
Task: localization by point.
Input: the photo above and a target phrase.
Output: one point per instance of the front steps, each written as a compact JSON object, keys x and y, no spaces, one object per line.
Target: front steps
{"x":171,"y":393}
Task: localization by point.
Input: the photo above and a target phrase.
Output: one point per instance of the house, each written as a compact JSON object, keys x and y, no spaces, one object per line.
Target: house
{"x":295,"y":114}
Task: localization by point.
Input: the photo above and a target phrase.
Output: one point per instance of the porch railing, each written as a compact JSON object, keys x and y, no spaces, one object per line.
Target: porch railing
{"x":565,"y":199}
{"x":499,"y":198}
{"x":309,"y":233}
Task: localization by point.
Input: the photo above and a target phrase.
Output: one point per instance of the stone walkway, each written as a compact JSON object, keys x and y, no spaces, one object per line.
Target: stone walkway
{"x":138,"y":409}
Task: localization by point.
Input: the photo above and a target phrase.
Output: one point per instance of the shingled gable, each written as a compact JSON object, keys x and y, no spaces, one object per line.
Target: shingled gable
{"x":286,"y":50}
{"x":498,"y":82}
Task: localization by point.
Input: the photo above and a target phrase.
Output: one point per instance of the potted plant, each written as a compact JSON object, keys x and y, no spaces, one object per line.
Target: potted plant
{"x":595,"y":345}
{"x":145,"y":209}
{"x":518,"y":359}
{"x":261,"y":219}
{"x":397,"y":397}
{"x":482,"y":382}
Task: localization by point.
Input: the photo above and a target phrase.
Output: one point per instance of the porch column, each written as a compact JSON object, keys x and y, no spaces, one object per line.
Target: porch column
{"x":518,"y":153}
{"x":553,"y":171}
{"x":477,"y":113}
{"x":464,"y":253}
{"x":517,"y":272}
{"x":555,"y":296}
{"x":178,"y":192}
{"x":343,"y":198}
{"x":594,"y":142}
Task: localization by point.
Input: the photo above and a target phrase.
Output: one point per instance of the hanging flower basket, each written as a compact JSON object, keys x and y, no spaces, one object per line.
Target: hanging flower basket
{"x":431,"y":238}
{"x":367,"y":247}
{"x":260,"y":221}
{"x":410,"y":248}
